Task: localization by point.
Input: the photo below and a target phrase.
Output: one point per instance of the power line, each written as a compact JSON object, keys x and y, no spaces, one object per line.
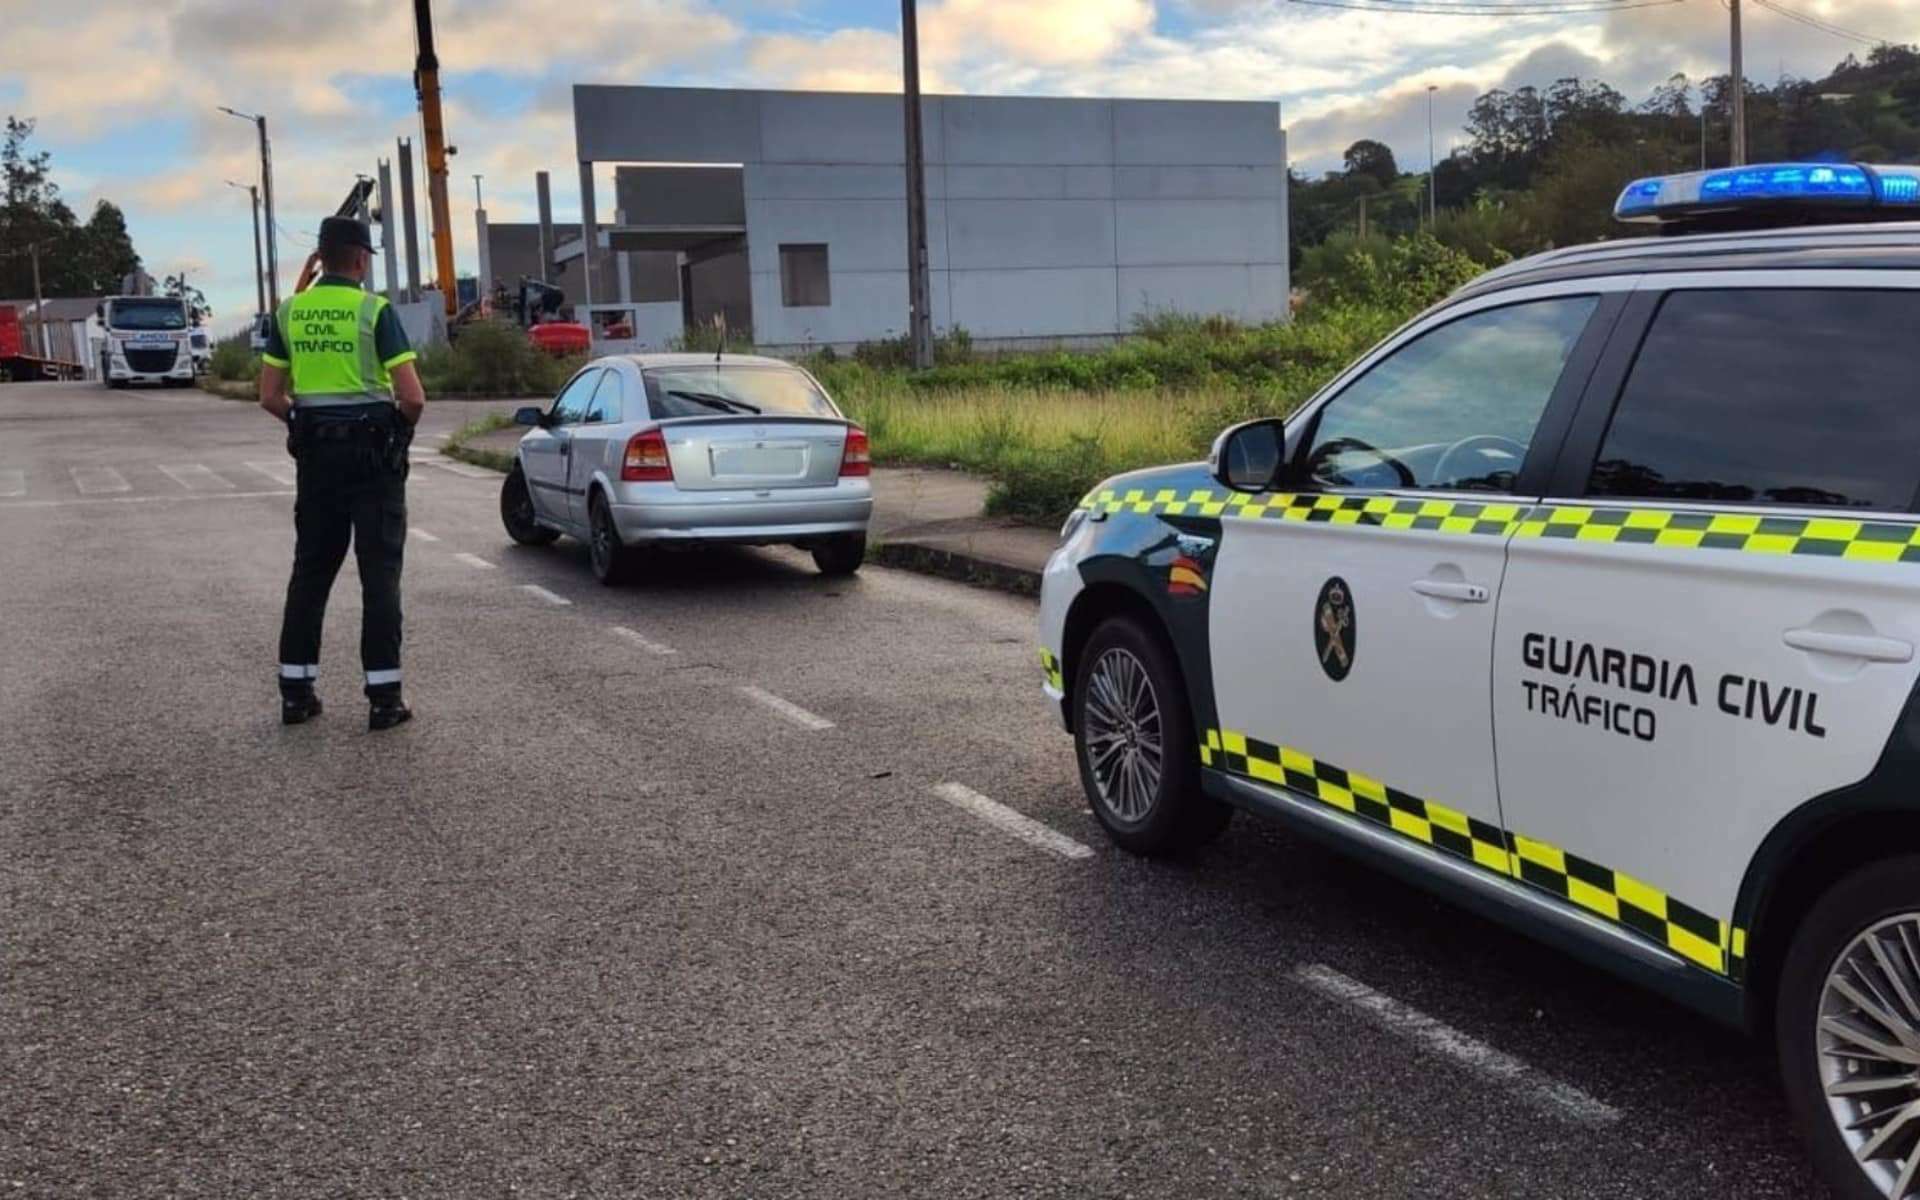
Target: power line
{"x":1822,"y":24}
{"x":1488,"y":8}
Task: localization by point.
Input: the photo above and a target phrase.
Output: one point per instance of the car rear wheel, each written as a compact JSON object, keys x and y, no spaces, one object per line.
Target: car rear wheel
{"x":1848,"y":1031}
{"x":840,"y":554}
{"x":516,"y":512}
{"x":1133,"y":736}
{"x":612,"y":558}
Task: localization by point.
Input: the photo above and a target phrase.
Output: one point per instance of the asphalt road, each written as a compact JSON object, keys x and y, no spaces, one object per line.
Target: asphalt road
{"x":601,"y":923}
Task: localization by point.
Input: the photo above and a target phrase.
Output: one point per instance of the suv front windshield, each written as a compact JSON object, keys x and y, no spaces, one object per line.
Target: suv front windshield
{"x":147,"y":314}
{"x":702,"y":391}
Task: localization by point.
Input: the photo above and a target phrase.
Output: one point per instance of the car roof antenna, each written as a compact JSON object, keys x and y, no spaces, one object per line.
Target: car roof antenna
{"x":720,"y":323}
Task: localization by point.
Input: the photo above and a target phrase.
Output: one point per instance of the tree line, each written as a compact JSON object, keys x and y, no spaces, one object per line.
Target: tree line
{"x":1542,"y":167}
{"x":77,"y":258}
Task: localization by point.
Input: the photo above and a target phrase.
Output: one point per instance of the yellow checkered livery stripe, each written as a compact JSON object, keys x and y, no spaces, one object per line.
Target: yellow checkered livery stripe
{"x":1386,"y":512}
{"x":1051,"y":665}
{"x":1746,"y":533}
{"x":1700,"y":939}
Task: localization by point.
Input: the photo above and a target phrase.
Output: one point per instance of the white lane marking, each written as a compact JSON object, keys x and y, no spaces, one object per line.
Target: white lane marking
{"x":168,"y":498}
{"x":553,"y":598}
{"x":13,"y":483}
{"x":473,"y":560}
{"x":195,"y":477}
{"x":1563,"y":1099}
{"x":651,"y":647}
{"x":279,"y":472}
{"x":439,"y":437}
{"x":421,"y":535}
{"x":93,"y":481}
{"x":1018,"y":824}
{"x":786,"y":708}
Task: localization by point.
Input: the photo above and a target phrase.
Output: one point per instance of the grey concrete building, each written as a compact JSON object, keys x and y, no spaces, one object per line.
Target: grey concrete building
{"x":1048,"y":219}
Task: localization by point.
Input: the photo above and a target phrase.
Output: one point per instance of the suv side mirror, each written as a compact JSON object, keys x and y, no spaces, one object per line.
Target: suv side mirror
{"x":530,"y":416}
{"x":1248,"y":457}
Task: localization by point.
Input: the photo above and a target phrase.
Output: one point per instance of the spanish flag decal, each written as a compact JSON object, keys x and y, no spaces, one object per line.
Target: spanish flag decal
{"x":1185,"y":578}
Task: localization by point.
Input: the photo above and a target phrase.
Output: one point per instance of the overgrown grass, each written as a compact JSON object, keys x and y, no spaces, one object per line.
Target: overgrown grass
{"x":234,"y":359}
{"x":1045,"y":428}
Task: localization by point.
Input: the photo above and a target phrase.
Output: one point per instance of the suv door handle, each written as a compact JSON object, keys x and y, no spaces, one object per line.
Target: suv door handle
{"x":1850,"y":645}
{"x":1448,"y":589}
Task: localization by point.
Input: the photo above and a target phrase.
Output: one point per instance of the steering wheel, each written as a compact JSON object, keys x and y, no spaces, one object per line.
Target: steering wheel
{"x":1481,"y":444}
{"x":1342,"y":445}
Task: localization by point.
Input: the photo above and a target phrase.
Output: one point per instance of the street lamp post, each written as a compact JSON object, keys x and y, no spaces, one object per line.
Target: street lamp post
{"x":919,"y":293}
{"x":1433,"y":203}
{"x":259,"y":273}
{"x":266,"y":195}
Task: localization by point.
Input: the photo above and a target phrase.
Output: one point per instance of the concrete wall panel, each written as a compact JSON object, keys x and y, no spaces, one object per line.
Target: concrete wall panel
{"x":861,"y":235}
{"x":1039,"y":303}
{"x":1013,"y":131}
{"x":1250,"y":293}
{"x":1199,"y":183}
{"x":831,"y":127}
{"x":809,"y":181}
{"x":648,"y":124}
{"x":1029,"y":233}
{"x":1026,"y":183}
{"x":1172,"y":232}
{"x":1224,"y":132}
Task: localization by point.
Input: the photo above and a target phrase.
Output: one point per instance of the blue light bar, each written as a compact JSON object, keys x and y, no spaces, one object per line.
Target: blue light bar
{"x":1769,"y":185}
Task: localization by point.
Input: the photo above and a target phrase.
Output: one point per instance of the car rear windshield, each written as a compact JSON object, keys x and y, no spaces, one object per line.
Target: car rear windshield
{"x":147,"y":314}
{"x":707,"y":390}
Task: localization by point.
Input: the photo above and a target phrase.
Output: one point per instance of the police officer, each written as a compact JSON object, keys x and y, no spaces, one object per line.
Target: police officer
{"x":338,"y":370}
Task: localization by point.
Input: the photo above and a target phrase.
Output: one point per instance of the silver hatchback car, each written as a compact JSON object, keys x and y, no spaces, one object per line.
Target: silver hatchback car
{"x":661,"y":449}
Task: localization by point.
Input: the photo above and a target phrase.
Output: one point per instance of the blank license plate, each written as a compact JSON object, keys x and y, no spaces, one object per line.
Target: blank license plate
{"x":773,"y":460}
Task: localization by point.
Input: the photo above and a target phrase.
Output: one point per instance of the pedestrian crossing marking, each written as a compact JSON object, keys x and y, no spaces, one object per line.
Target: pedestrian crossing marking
{"x":97,"y":481}
{"x":195,"y":477}
{"x":279,"y":472}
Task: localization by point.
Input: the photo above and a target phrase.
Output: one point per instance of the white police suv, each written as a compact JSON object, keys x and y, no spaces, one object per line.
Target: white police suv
{"x":1590,"y":598}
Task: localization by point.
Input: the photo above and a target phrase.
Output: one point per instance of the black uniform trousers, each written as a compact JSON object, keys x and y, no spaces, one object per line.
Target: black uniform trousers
{"x":351,"y":490}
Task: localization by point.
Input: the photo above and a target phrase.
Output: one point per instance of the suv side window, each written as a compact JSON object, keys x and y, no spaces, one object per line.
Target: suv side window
{"x":572,"y":402}
{"x":1770,"y":396}
{"x":1453,"y":409}
{"x":605,"y":406}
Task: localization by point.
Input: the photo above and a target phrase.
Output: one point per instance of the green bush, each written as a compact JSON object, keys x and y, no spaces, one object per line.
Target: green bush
{"x":493,"y":358}
{"x":233,"y":359}
{"x":1406,"y":274}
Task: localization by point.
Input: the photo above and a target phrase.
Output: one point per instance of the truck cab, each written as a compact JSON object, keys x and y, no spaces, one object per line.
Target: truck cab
{"x":145,"y":339}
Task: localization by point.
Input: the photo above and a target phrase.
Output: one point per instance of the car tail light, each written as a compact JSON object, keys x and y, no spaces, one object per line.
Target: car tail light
{"x":646,"y":460}
{"x":856,"y":459}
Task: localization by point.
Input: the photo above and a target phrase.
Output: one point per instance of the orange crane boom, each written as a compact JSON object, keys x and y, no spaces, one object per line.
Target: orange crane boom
{"x":426,"y":85}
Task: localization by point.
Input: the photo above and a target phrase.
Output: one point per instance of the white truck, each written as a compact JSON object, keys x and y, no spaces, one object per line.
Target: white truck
{"x":145,"y":339}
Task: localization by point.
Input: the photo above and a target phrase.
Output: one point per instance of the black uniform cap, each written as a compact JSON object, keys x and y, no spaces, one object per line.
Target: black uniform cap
{"x":345,"y":231}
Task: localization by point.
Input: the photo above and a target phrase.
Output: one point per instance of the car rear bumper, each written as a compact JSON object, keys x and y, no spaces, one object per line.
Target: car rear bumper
{"x":663,"y":513}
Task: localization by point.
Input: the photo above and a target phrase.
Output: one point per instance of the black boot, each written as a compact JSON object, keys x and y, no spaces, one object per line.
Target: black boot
{"x":297,"y":708}
{"x":388,"y":711}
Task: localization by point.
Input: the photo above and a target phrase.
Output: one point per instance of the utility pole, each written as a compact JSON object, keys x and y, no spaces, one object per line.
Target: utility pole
{"x":1739,"y":156}
{"x":1363,"y":218}
{"x":1433,"y":201}
{"x":259,"y":274}
{"x":266,"y":196}
{"x":919,"y":293}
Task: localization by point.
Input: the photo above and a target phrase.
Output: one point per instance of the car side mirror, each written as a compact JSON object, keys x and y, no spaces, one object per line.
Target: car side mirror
{"x":1248,"y":457}
{"x":530,"y":416}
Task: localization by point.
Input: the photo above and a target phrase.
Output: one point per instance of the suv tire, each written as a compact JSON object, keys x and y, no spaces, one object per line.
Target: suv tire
{"x":1133,"y":738}
{"x":1880,"y":897}
{"x":516,"y":512}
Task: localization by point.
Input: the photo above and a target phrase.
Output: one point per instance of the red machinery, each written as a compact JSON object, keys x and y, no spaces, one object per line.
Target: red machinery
{"x":560,"y":337}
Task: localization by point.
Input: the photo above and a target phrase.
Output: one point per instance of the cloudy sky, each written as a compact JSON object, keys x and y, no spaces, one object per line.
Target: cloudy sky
{"x":125,"y":91}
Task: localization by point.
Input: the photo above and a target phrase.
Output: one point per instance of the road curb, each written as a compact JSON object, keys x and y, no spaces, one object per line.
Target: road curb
{"x":957,"y":565}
